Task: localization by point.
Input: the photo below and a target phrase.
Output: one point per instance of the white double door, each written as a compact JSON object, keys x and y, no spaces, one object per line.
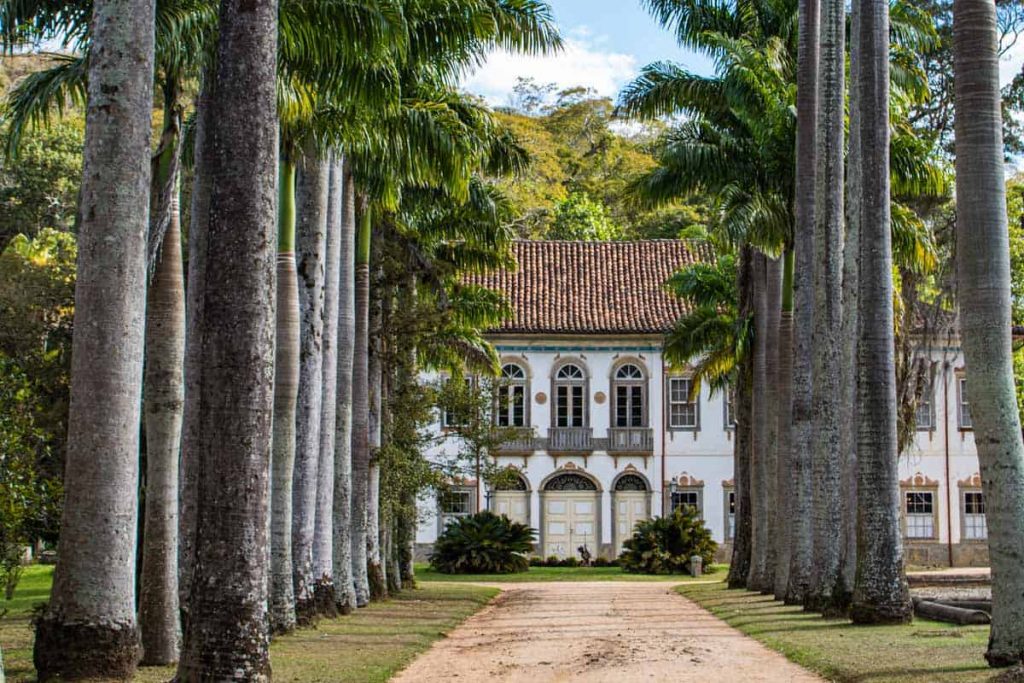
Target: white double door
{"x":513,"y":504}
{"x":630,"y":507}
{"x":570,"y":521}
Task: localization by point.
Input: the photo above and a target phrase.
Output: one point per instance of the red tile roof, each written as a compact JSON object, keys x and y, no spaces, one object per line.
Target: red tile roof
{"x":562,"y":287}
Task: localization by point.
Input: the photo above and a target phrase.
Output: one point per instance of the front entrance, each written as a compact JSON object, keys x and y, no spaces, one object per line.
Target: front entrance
{"x":569,"y":512}
{"x":631,"y":503}
{"x":512,"y":499}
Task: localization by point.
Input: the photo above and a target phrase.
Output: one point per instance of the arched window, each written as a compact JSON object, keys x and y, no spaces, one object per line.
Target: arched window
{"x":629,"y":389}
{"x":570,"y":481}
{"x":512,"y":393}
{"x":570,"y":396}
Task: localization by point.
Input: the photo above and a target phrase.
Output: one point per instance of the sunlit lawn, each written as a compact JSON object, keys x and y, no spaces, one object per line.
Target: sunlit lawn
{"x":368,"y":646}
{"x":920,"y":652}
{"x":425,"y":573}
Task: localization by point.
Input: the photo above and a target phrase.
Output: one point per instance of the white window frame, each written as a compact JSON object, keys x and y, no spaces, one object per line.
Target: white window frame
{"x":445,"y":518}
{"x":915,"y":523}
{"x":561,"y":380}
{"x":505,"y":413}
{"x":926,"y":402}
{"x":672,"y":403}
{"x":973,"y":526}
{"x":696,"y":491}
{"x":963,"y":406}
{"x":637,"y":380}
{"x":729,"y":500}
{"x":729,"y":408}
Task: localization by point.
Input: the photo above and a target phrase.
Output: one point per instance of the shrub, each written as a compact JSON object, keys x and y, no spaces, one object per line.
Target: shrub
{"x":484,"y":543}
{"x":553,"y":561}
{"x":536,"y":561}
{"x":663,"y":545}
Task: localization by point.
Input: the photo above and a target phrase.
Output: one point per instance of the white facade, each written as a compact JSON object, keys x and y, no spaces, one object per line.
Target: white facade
{"x":683,"y":448}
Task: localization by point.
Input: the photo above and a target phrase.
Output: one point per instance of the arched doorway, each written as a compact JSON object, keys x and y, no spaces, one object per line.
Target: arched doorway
{"x":512,"y":498}
{"x":569,"y":514}
{"x":631,"y":504}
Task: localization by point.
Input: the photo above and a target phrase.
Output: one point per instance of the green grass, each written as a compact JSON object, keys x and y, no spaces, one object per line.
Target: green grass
{"x":368,"y":646}
{"x":838,"y":650}
{"x":425,"y":573}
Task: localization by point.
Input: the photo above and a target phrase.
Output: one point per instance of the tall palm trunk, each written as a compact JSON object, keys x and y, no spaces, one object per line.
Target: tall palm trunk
{"x":757,"y":579}
{"x":739,"y":565}
{"x":826,"y":593}
{"x":881,"y":594}
{"x":164,"y":404}
{"x":361,"y":408}
{"x":849,"y":333}
{"x":773,"y":312}
{"x":286,"y":388}
{"x":226,"y":635}
{"x":344,"y":434}
{"x":311,"y":240}
{"x":983,"y":272}
{"x":89,"y":626}
{"x":374,"y":566}
{"x":323,"y":531}
{"x":803,"y":302}
{"x":784,"y":433}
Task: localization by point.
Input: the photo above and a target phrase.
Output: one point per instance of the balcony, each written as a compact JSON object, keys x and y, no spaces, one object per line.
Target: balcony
{"x":519,"y":441}
{"x":630,"y":440}
{"x":561,"y":439}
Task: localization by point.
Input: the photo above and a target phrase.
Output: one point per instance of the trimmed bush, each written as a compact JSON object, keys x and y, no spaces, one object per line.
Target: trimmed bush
{"x":484,"y":543}
{"x":664,"y":545}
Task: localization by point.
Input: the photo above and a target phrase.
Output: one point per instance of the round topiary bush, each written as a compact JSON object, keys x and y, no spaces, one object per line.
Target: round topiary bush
{"x":664,"y":545}
{"x":484,"y":543}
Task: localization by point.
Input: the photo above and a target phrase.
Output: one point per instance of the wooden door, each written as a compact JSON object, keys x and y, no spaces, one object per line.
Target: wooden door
{"x":630,"y":507}
{"x":570,"y":521}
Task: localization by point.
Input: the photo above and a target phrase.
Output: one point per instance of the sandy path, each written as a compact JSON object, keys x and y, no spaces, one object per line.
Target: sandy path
{"x":597,"y":632}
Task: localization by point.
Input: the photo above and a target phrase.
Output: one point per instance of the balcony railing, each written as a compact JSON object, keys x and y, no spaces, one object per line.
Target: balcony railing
{"x":522,"y":440}
{"x":570,"y":439}
{"x":630,"y":439}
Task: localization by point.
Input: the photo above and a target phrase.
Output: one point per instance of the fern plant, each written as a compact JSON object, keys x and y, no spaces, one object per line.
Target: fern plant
{"x":484,"y":543}
{"x":664,"y":545}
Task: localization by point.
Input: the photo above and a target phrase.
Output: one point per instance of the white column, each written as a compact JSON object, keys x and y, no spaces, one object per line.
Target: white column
{"x":606,"y":519}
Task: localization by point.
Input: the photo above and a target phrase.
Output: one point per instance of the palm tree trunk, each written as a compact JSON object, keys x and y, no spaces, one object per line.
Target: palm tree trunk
{"x":881,"y":594}
{"x":286,"y":387}
{"x":984,"y":288}
{"x":739,"y":566}
{"x":849,"y":333}
{"x":344,"y":434}
{"x":226,"y":636}
{"x":323,"y":532}
{"x":826,"y":593}
{"x":773,"y":312}
{"x":361,"y":409}
{"x":406,"y":541}
{"x":784,"y":434}
{"x":164,"y":404}
{"x":311,"y":236}
{"x":803,"y":302}
{"x":89,"y":627}
{"x":757,"y":579}
{"x":374,"y":568}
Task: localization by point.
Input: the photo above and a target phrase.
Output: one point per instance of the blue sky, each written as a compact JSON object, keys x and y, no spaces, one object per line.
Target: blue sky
{"x":606,"y":43}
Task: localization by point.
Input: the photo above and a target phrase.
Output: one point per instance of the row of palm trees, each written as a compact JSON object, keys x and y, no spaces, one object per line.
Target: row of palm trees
{"x":798,"y":318}
{"x":329,"y":150}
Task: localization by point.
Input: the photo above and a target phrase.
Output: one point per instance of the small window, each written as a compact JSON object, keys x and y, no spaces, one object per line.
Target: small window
{"x":511,"y":410}
{"x":925,"y":415}
{"x":450,"y":417}
{"x":920,"y":511}
{"x":683,"y":413}
{"x":730,"y":514}
{"x":729,"y":401}
{"x":975,"y":526}
{"x":688,"y":498}
{"x":964,"y":409}
{"x":455,"y":503}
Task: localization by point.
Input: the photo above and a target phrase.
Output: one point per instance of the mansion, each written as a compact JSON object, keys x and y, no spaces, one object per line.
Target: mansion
{"x":609,"y":435}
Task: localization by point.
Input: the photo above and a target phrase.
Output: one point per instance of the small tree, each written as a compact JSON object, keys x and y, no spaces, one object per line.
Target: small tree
{"x":578,"y":217}
{"x":664,"y":545}
{"x":484,"y":543}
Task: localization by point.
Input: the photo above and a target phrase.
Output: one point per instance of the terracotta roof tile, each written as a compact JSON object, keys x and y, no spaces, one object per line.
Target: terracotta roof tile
{"x":567,"y":287}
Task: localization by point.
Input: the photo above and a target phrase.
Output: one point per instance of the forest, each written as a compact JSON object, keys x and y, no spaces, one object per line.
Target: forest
{"x":234,"y":237}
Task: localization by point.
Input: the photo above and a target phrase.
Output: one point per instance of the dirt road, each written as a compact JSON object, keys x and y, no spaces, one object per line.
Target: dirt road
{"x":608,"y":632}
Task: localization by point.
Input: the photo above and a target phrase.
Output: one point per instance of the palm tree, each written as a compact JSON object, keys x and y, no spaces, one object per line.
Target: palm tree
{"x":226,"y":632}
{"x":361,"y":406}
{"x":89,"y":627}
{"x":825,"y":593}
{"x":312,"y":197}
{"x":984,"y":289}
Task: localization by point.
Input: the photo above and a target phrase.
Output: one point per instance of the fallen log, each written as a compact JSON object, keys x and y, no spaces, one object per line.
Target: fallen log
{"x":927,"y":609}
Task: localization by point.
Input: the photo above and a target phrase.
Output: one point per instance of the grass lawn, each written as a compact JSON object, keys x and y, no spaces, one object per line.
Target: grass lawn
{"x":425,"y":573}
{"x":367,"y":646}
{"x":840,"y":651}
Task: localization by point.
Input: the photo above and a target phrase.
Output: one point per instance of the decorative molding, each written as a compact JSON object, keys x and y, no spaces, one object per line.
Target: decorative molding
{"x":578,"y":349}
{"x":541,"y":398}
{"x":600,"y":398}
{"x":918,"y":480}
{"x":685,"y":479}
{"x":971,"y":482}
{"x":728,"y":483}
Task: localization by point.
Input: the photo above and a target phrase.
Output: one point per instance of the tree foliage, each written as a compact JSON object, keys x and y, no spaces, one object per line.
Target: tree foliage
{"x":484,"y":543}
{"x":664,"y":545}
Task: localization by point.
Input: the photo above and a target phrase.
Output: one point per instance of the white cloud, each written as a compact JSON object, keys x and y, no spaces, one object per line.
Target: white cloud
{"x":580,"y":62}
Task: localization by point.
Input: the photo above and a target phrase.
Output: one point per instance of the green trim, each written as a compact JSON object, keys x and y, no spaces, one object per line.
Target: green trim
{"x":363,"y":237}
{"x":788,"y":265}
{"x":286,"y":208}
